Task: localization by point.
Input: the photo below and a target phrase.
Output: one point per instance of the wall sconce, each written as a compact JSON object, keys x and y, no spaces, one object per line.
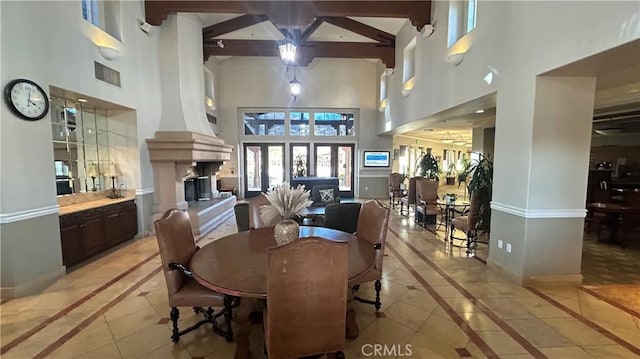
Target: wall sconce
{"x":109,"y":53}
{"x":455,"y":59}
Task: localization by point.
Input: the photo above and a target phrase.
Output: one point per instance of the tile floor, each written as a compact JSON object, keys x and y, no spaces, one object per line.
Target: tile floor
{"x":436,"y":301}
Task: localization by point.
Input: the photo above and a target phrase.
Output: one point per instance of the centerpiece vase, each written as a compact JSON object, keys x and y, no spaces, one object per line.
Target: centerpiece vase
{"x":286,"y":231}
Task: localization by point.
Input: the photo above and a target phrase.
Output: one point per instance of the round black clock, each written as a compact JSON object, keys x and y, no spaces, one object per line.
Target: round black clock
{"x":26,"y":99}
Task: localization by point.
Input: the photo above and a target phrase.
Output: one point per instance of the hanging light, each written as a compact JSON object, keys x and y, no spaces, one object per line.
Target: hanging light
{"x":460,"y":141}
{"x":295,"y":86}
{"x":447,"y":138}
{"x":288,"y":52}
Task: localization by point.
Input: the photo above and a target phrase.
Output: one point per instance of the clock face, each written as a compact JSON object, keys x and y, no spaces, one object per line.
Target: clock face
{"x":26,"y":99}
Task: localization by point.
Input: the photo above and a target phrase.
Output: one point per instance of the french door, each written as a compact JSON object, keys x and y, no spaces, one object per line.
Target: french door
{"x":263,"y":167}
{"x":336,"y":160}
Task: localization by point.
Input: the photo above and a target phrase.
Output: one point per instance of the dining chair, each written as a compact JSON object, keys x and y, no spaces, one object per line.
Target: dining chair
{"x":241,"y":211}
{"x":631,"y":218}
{"x":467,"y":224}
{"x":342,"y":216}
{"x":177,"y":246}
{"x":410,"y":198}
{"x":598,"y":220}
{"x":255,"y":221}
{"x":373,"y":224}
{"x":427,"y":208}
{"x":306,"y":298}
{"x":395,"y":192}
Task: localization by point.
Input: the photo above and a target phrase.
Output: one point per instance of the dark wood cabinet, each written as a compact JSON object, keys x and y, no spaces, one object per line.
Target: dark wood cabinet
{"x":86,"y":233}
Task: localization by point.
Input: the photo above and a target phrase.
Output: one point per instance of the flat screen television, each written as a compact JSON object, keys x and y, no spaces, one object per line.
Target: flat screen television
{"x":377,"y":159}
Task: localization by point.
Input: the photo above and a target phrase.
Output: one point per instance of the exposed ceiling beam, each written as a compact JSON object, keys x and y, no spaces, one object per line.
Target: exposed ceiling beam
{"x":362,"y":29}
{"x":295,"y":13}
{"x":306,"y":51}
{"x":311,"y":28}
{"x":231,"y":25}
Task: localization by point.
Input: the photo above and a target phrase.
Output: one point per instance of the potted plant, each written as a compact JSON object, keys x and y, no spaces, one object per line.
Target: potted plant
{"x":429,"y":167}
{"x":481,"y":184}
{"x":451,"y":173}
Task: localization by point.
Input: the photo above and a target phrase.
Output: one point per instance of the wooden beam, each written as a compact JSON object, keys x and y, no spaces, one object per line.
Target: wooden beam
{"x":295,"y":13}
{"x":362,"y":29}
{"x":311,"y":28}
{"x":306,"y":52}
{"x":231,"y":25}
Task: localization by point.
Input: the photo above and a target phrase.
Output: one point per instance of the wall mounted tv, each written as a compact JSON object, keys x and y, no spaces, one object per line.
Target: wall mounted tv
{"x":376,"y":159}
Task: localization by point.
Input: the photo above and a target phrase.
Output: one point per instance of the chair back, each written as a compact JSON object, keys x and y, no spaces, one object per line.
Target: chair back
{"x":176,"y":244}
{"x":373,"y":224}
{"x":241,"y":211}
{"x":255,"y":221}
{"x":601,"y":195}
{"x":306,"y":298}
{"x":411,"y":193}
{"x":342,"y":216}
{"x":427,"y":190}
{"x":316,"y":195}
{"x":395,"y":179}
{"x":474,"y":211}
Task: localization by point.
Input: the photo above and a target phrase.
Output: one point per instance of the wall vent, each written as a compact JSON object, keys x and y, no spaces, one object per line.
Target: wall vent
{"x":107,"y":74}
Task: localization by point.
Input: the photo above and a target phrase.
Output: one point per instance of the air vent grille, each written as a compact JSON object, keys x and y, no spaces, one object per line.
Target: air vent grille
{"x":107,"y":74}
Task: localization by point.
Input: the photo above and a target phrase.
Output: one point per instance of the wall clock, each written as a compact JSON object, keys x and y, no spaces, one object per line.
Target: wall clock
{"x":26,"y":99}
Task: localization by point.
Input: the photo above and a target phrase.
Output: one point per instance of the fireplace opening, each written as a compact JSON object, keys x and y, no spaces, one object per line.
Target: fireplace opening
{"x":197,"y":189}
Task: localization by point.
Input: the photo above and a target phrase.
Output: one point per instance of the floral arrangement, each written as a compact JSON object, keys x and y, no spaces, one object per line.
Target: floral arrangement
{"x":285,"y":203}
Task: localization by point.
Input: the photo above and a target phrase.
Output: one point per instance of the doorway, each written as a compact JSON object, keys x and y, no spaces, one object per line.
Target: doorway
{"x":336,"y":160}
{"x":263,"y":167}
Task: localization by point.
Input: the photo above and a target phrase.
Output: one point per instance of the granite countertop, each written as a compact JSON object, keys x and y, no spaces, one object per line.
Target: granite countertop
{"x":72,"y":208}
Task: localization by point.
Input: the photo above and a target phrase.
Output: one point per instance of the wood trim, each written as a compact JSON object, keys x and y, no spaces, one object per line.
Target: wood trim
{"x":231,"y":25}
{"x":362,"y":29}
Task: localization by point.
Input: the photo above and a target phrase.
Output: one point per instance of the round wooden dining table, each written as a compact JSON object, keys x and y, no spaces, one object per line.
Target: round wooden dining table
{"x":236,"y":265}
{"x":613,"y":211}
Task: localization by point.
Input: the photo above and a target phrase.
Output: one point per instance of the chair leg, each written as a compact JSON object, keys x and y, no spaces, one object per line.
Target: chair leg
{"x":174,"y":314}
{"x":378,"y":287}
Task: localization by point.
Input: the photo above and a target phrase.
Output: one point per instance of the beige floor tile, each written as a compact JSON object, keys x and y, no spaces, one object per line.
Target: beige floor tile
{"x":577,"y":332}
{"x":447,"y":291}
{"x":419,"y":299}
{"x":15,"y":324}
{"x":436,"y":345}
{"x":407,"y":315}
{"x":540,"y":307}
{"x":501,"y":342}
{"x":539,"y":333}
{"x":566,"y":353}
{"x":97,"y":335}
{"x":386,"y":331}
{"x":109,"y":351}
{"x":461,"y":305}
{"x":479,"y":321}
{"x":440,"y":325}
{"x":506,"y":308}
{"x":169,"y":351}
{"x":131,"y":304}
{"x":609,"y":351}
{"x":134,"y":322}
{"x":202,"y":341}
{"x":144,"y":341}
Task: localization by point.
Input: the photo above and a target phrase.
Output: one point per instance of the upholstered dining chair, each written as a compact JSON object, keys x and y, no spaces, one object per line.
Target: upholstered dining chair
{"x":410,"y":198}
{"x":373,"y":223}
{"x":467,"y":224}
{"x":306,"y":298}
{"x":241,"y":210}
{"x":395,"y":192}
{"x":255,"y":221}
{"x":177,"y":246}
{"x":426,"y":201}
{"x":342,"y":216}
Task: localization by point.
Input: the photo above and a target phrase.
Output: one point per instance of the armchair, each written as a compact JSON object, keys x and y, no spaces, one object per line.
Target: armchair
{"x":410,"y":198}
{"x":177,"y":246}
{"x":467,"y":224}
{"x":373,"y":224}
{"x":395,"y":192}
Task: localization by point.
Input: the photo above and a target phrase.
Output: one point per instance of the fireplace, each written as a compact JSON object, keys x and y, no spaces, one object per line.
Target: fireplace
{"x":197,"y":189}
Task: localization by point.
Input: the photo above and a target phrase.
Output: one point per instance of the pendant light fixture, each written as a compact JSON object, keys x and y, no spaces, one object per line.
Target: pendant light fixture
{"x":295,"y":86}
{"x":287,"y":52}
{"x":447,"y":138}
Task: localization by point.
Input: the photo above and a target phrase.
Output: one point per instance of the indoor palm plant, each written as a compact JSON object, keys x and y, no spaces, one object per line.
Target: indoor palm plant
{"x":429,"y":167}
{"x":285,"y":203}
{"x":481,"y":184}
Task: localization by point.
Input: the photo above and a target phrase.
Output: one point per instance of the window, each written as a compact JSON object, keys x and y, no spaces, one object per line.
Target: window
{"x":104,"y":15}
{"x":264,"y":123}
{"x":209,"y":91}
{"x":408,"y":67}
{"x":333,"y":124}
{"x":383,"y":91}
{"x":462,"y":19}
{"x":299,"y":123}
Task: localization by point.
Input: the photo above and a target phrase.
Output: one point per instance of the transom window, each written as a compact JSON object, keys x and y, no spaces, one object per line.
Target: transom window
{"x":104,"y":15}
{"x":296,"y":123}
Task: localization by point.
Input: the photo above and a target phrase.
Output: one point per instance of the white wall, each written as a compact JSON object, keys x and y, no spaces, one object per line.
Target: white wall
{"x":326,"y":83}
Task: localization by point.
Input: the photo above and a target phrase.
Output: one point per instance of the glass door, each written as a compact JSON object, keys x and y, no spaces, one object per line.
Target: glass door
{"x":264,"y":167}
{"x":299,"y":160}
{"x":336,"y":160}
